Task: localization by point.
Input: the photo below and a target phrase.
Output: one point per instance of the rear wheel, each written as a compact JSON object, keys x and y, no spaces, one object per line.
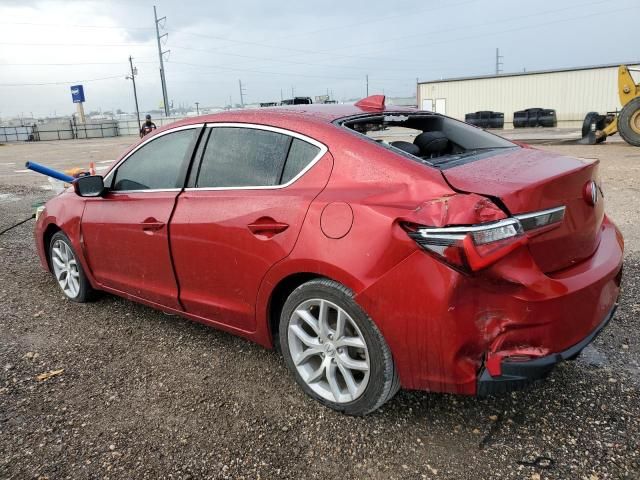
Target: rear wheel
{"x":629,"y":122}
{"x":333,"y":349}
{"x":67,"y":270}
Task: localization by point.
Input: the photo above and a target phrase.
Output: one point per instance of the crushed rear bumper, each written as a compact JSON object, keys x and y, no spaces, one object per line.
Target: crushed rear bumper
{"x":518,"y":374}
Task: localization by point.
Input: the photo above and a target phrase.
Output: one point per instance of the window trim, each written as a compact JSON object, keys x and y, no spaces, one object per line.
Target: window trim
{"x":109,"y":175}
{"x":254,"y":126}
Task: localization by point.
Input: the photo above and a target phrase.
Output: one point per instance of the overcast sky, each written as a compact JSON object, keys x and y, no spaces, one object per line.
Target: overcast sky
{"x":277,"y":45}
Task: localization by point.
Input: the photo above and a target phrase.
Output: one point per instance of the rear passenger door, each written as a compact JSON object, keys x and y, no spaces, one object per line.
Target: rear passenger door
{"x":241,"y":213}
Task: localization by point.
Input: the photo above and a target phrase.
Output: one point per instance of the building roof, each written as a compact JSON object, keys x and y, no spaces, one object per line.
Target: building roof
{"x":533,"y":72}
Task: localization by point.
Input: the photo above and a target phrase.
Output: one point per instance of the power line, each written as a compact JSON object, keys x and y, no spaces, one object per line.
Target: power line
{"x":286,"y":74}
{"x":61,"y":64}
{"x":332,"y":52}
{"x":68,"y":25}
{"x":465,"y":27}
{"x":271,"y":59}
{"x":74,"y":44}
{"x":378,"y":18}
{"x":518,"y":29}
{"x":375,"y":19}
{"x":388,"y":40}
{"x":70,"y":82}
{"x":222,"y":38}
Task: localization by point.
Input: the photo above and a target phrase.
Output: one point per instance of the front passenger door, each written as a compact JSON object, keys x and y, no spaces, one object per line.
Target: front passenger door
{"x":125,"y":232}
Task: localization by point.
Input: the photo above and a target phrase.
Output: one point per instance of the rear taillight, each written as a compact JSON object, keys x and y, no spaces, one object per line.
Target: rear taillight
{"x":470,"y":248}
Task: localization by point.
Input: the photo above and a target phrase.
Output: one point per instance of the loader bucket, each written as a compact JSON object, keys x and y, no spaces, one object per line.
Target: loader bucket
{"x":590,"y":138}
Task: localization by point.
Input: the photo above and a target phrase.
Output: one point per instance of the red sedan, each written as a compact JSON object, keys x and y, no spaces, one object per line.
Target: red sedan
{"x":378,"y":247}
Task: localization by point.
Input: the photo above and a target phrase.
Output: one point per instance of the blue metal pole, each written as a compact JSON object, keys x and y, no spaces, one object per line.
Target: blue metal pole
{"x":36,"y":167}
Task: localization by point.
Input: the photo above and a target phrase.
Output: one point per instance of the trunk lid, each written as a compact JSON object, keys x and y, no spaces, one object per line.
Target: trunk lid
{"x":528,"y":180}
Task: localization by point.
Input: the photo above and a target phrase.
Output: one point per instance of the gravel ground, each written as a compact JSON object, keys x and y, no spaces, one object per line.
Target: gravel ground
{"x":146,"y":395}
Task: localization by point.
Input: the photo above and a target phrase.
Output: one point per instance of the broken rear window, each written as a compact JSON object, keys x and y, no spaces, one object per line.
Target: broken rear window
{"x":430,"y":138}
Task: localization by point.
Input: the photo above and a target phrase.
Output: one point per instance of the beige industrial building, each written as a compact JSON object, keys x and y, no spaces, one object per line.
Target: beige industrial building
{"x":571,"y":92}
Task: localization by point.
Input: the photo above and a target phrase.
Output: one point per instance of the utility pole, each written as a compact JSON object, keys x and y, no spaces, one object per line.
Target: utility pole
{"x":293,"y":95}
{"x":197,"y":108}
{"x":132,"y":77}
{"x":242,"y":92}
{"x":367,"y":84}
{"x":165,"y":96}
{"x":498,"y":62}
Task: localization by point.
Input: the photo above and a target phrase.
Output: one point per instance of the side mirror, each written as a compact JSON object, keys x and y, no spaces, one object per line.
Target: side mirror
{"x":89,"y":186}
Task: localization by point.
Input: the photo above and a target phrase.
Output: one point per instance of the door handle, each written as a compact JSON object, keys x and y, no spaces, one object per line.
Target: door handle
{"x":151,"y":224}
{"x":267,"y":227}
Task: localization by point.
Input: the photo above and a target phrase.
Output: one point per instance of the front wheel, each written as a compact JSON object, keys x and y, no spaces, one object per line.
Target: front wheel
{"x":335,"y":352}
{"x":67,"y":270}
{"x":629,"y":122}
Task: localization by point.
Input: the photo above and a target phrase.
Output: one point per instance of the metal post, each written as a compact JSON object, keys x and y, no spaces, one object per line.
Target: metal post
{"x":241,"y":93}
{"x":134,"y":72}
{"x":165,"y":96}
{"x":197,"y":108}
{"x":80,"y":109}
{"x":367,"y":85}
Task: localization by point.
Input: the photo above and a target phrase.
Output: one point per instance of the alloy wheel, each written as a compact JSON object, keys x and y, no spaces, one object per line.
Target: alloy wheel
{"x":328,"y":350}
{"x":65,"y":268}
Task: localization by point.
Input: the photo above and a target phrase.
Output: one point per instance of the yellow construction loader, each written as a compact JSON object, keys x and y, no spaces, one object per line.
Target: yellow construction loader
{"x":596,"y":128}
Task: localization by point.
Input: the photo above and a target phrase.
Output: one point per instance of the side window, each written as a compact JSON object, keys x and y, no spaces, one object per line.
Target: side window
{"x":243,"y":157}
{"x":301,"y":154}
{"x":156,"y":165}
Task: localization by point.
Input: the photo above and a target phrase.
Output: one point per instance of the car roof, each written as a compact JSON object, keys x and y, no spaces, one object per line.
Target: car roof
{"x":324,"y":113}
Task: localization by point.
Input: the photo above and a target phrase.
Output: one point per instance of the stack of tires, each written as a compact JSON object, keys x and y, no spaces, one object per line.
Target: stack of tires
{"x":485,"y":119}
{"x":535,"y":117}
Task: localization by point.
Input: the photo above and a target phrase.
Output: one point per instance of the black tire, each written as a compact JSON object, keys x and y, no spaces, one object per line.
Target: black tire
{"x":496,"y":120}
{"x":533,"y":117}
{"x":520,"y":119}
{"x":84,"y":292}
{"x":547,"y":118}
{"x":629,"y":131}
{"x":383,"y":381}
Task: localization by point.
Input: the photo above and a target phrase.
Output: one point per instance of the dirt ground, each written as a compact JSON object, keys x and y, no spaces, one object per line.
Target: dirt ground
{"x":145,"y":395}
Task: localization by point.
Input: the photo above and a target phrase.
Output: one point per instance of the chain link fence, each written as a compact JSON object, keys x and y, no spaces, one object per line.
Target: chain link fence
{"x":68,"y":130}
{"x":58,"y":131}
